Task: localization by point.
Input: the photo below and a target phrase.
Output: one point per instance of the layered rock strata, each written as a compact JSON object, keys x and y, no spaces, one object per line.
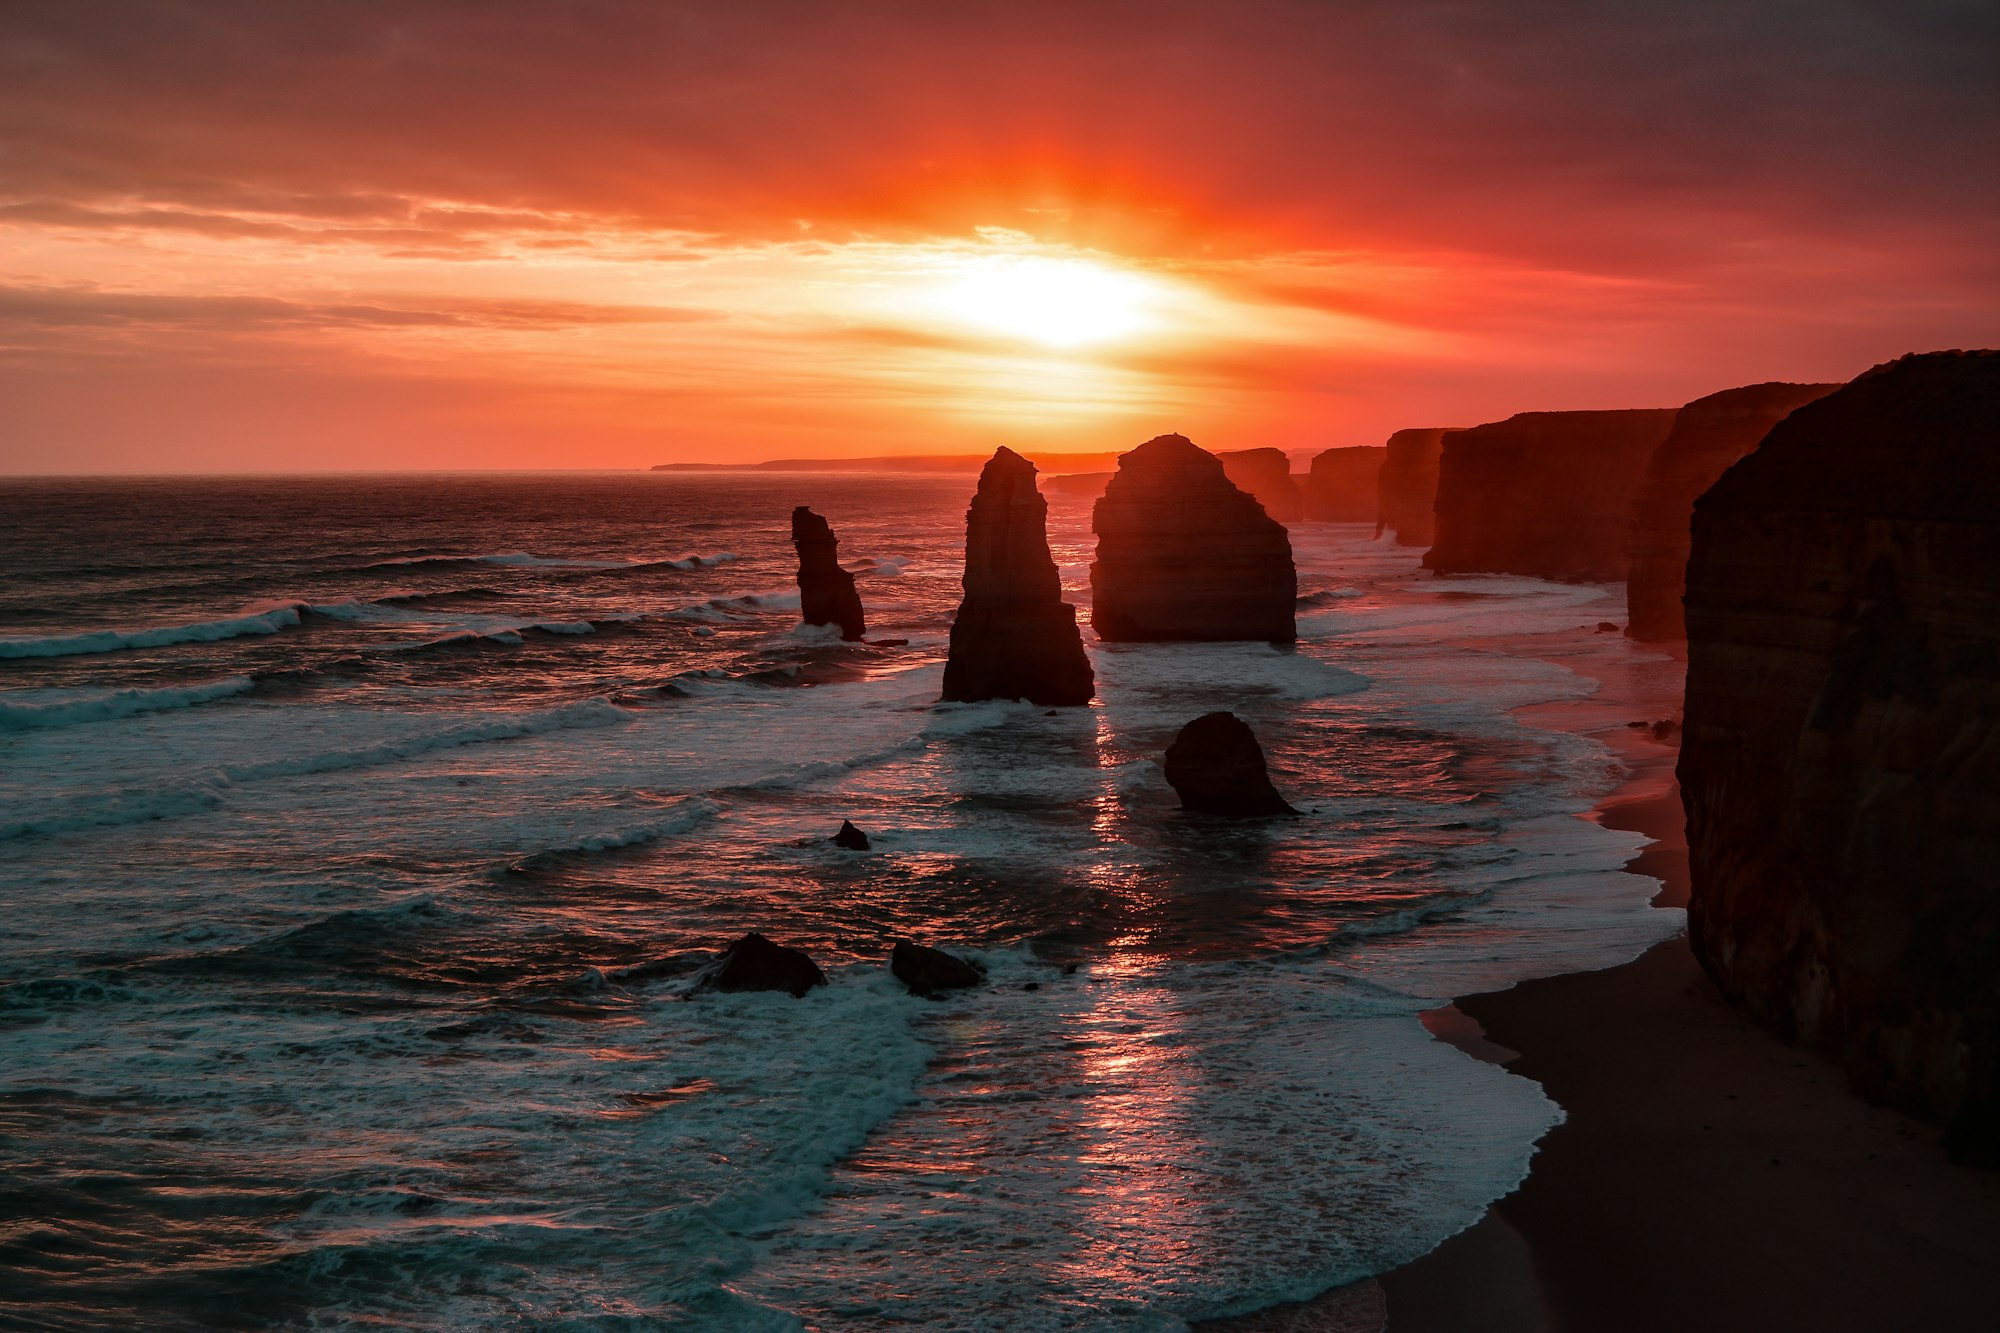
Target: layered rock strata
{"x":1407,"y":486}
{"x":1216,"y":767}
{"x":1266,"y":474}
{"x":1841,"y":758}
{"x":1183,"y":554}
{"x":1342,"y":485}
{"x":826,"y":591}
{"x":1547,"y":494}
{"x":1014,"y":636}
{"x":1708,"y":435}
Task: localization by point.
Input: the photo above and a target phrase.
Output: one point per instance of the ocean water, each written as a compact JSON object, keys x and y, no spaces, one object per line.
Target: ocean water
{"x":330,"y":809}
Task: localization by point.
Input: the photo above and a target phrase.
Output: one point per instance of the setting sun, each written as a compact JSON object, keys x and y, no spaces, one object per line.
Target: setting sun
{"x":1060,"y":302}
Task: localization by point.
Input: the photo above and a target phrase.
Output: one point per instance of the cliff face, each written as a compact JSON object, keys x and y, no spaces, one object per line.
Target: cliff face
{"x":1341,"y":488}
{"x":1543,"y":493}
{"x":1408,"y":485}
{"x":826,"y":591}
{"x":1708,"y":435}
{"x":1841,"y":763}
{"x":1014,"y":637}
{"x":1183,"y":554}
{"x":1266,"y":474}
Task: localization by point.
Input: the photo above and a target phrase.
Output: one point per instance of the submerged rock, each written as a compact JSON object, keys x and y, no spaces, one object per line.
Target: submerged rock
{"x":1267,"y":475}
{"x":1183,"y":554}
{"x":826,"y":591}
{"x":754,"y":963}
{"x":1547,"y":494}
{"x":1708,"y":435}
{"x":1408,"y":483}
{"x":850,"y":837}
{"x":1217,"y":767}
{"x":1840,"y":757}
{"x":927,"y":971}
{"x":1344,"y":484}
{"x":1014,"y":636}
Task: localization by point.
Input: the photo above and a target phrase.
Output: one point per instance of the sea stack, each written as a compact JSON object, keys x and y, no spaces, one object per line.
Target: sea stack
{"x":1841,"y":762}
{"x":1407,"y":486}
{"x":1547,"y":494}
{"x":1014,"y":637}
{"x":826,"y":591}
{"x":1216,"y":767}
{"x":1183,"y":554}
{"x":1708,"y":435}
{"x":1342,"y":485}
{"x":1267,"y":475}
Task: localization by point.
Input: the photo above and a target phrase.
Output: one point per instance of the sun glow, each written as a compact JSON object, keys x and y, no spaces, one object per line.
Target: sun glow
{"x":1058,"y":302}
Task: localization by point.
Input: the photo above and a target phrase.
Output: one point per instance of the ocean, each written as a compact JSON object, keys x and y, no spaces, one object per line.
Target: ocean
{"x":331,"y":809}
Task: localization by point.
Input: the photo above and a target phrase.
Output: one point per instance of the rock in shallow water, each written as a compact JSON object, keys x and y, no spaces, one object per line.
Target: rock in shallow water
{"x":927,"y":971}
{"x":850,"y":837}
{"x":826,"y":591}
{"x":754,"y":963}
{"x":1217,"y":767}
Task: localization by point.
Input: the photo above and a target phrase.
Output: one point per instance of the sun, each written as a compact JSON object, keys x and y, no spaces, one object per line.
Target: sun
{"x":1057,"y":302}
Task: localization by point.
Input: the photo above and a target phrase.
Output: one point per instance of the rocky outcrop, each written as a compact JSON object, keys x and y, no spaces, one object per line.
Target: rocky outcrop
{"x":1014,"y":637}
{"x":1408,"y":484}
{"x":850,"y":837}
{"x":1266,"y":474}
{"x":1708,"y":435}
{"x":927,"y":971}
{"x":1548,"y":494}
{"x":1841,"y":751}
{"x":1217,"y":767}
{"x":1342,"y":486}
{"x":1183,"y":554}
{"x":826,"y":591}
{"x":755,"y":963}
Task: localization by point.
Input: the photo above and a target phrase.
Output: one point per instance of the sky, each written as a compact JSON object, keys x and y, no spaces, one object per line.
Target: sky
{"x":320,"y":235}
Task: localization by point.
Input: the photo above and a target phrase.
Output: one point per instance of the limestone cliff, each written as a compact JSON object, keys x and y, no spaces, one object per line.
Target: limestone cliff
{"x":1543,"y":493}
{"x":1841,"y":763}
{"x":1708,"y":435}
{"x":1014,"y":636}
{"x":1341,"y":487}
{"x":1183,"y":554}
{"x":826,"y":591}
{"x":1267,"y":475}
{"x":1408,"y":484}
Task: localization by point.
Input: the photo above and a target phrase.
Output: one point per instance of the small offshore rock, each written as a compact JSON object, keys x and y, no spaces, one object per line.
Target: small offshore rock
{"x":927,"y":971}
{"x":1217,"y":767}
{"x":850,"y":837}
{"x":754,"y":963}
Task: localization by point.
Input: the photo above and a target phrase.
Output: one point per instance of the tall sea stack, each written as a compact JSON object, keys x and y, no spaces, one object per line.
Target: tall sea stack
{"x":1547,"y":494}
{"x":826,"y":591}
{"x":1343,"y":484}
{"x":1267,"y":475}
{"x":1183,"y":554}
{"x":1015,"y":637}
{"x":1708,"y":435}
{"x":1841,"y":763}
{"x":1407,"y":486}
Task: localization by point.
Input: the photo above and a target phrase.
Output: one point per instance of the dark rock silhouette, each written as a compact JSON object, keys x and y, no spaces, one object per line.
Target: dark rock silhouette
{"x":1266,"y":474}
{"x":927,"y":971}
{"x":1343,"y":485}
{"x":755,"y":963}
{"x":1708,"y":435}
{"x":1183,"y":554}
{"x":1408,"y":483}
{"x":1014,"y":637}
{"x":1084,"y":485}
{"x":1217,"y":767}
{"x":826,"y":591}
{"x":850,"y":837}
{"x":1548,"y":494}
{"x":1840,"y":758}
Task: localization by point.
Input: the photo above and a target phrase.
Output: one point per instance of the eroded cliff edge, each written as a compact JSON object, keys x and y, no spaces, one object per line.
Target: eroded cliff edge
{"x":1841,"y":763}
{"x":1406,"y":489}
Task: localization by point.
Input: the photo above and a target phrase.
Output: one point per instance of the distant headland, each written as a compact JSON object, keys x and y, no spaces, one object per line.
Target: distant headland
{"x":948,"y":463}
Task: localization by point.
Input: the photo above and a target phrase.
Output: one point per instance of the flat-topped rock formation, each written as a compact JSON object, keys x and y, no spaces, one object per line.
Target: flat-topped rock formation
{"x":1708,"y":435}
{"x":1216,"y":767}
{"x":1408,"y":484}
{"x":1548,"y":494}
{"x":826,"y":591}
{"x":1183,"y":554}
{"x":1266,"y":474}
{"x":1342,"y":485}
{"x":1014,"y":637}
{"x":1841,"y":760}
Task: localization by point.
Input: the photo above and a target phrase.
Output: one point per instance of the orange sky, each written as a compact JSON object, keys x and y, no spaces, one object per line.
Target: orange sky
{"x":254,"y":236}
